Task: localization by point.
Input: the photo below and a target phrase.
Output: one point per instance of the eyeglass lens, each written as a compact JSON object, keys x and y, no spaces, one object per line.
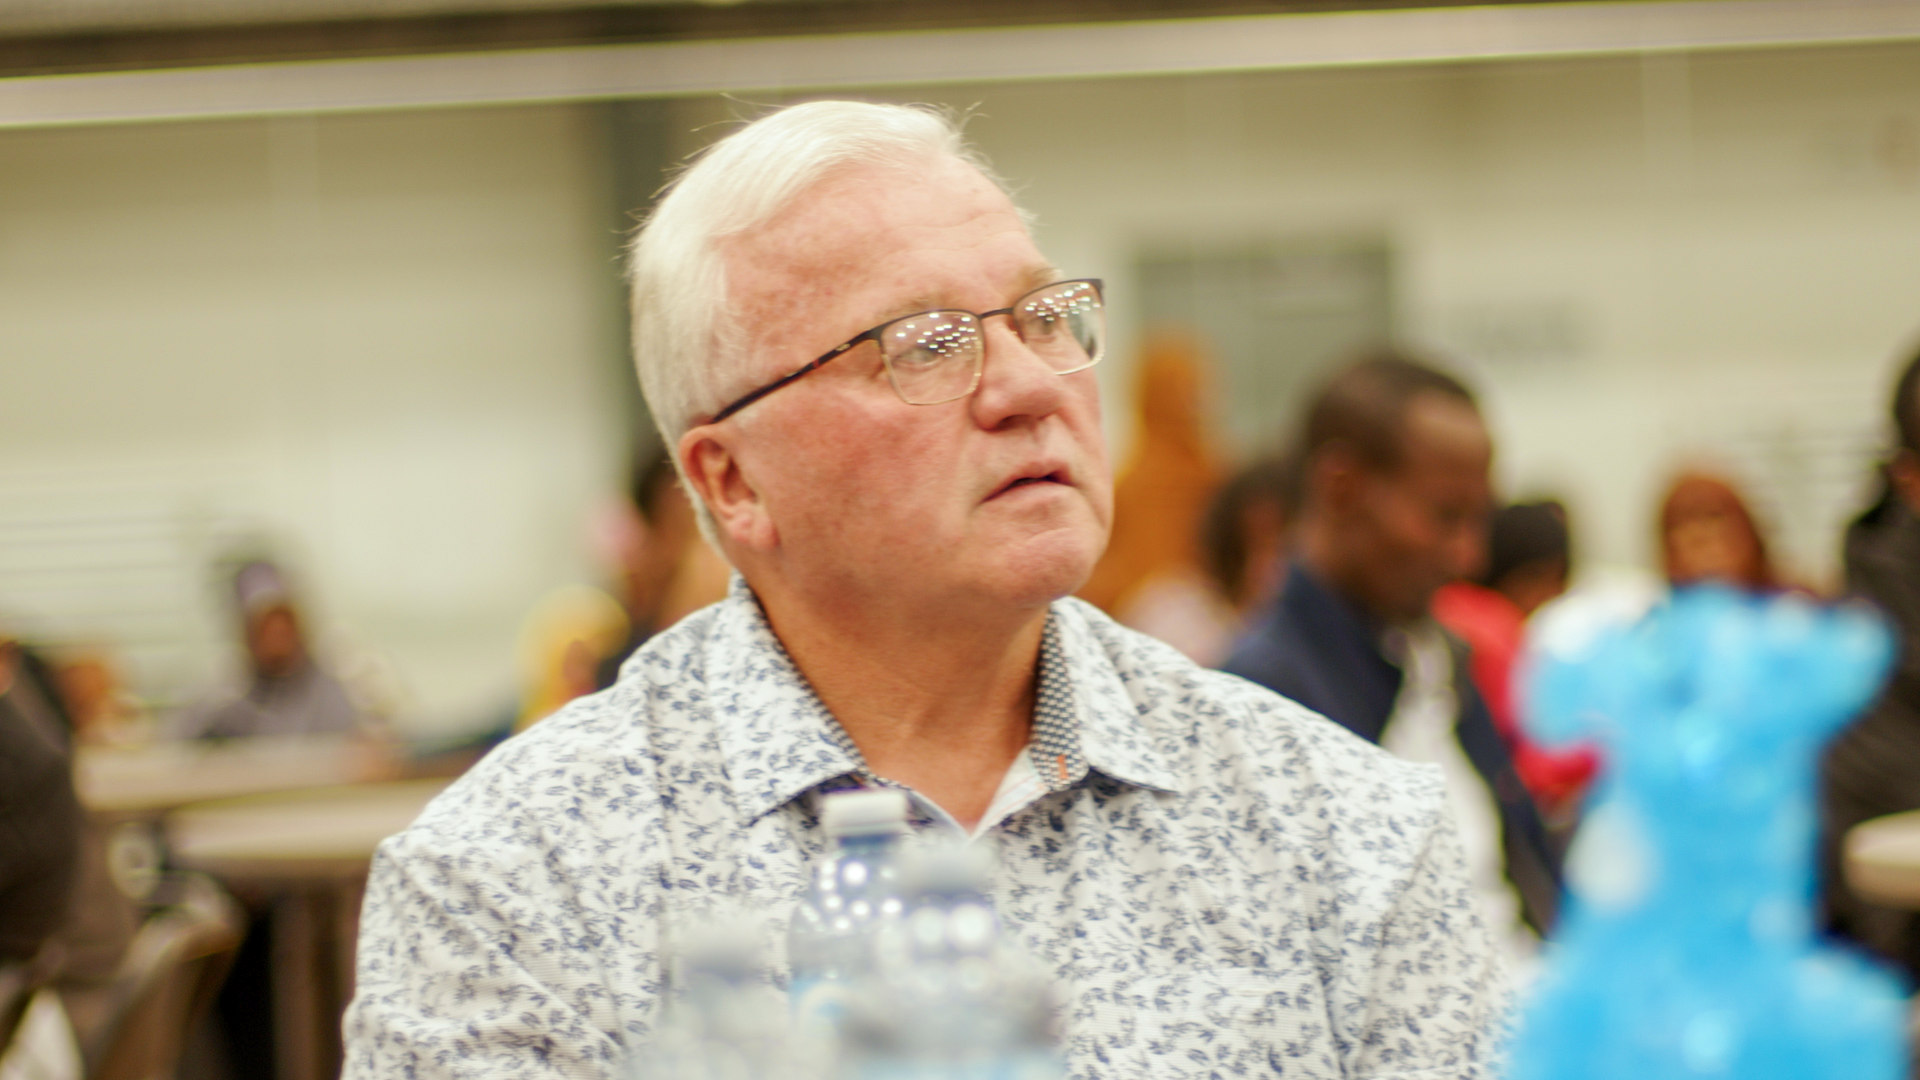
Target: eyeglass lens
{"x":936,"y":357}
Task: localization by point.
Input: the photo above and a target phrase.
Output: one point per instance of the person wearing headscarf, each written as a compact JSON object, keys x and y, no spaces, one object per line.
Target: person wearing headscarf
{"x":563,"y":643}
{"x":1151,"y":576}
{"x":286,"y":692}
{"x":1708,"y":535}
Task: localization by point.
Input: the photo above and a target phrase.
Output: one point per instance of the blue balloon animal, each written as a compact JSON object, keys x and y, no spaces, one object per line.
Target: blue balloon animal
{"x":1688,"y":948}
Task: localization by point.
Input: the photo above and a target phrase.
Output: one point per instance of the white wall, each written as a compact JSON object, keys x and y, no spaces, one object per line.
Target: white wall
{"x":386,"y":340}
{"x":1640,"y":261}
{"x":380,"y":341}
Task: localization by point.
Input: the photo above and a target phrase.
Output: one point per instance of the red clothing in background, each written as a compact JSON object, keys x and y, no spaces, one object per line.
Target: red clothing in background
{"x":1495,"y":629}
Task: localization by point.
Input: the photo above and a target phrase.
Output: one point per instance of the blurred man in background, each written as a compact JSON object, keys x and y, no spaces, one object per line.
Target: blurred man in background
{"x":1395,"y":501}
{"x":1873,"y":768}
{"x":286,"y":691}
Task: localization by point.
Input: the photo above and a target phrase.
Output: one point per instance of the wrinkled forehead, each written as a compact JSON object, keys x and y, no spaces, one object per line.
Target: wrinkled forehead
{"x":874,"y":242}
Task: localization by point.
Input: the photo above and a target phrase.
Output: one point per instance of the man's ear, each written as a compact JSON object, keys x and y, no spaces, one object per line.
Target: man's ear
{"x":1904,"y":473}
{"x":1336,"y":478}
{"x":714,"y":472}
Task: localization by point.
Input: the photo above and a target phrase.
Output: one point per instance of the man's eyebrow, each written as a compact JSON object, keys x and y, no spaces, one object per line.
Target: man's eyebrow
{"x":1035,"y":277}
{"x":1042,"y":275}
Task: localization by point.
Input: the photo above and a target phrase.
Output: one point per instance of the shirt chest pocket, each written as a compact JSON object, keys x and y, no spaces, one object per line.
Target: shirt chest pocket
{"x":1202,"y":1023}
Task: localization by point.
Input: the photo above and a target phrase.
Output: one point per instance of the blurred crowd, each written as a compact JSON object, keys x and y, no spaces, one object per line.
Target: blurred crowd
{"x":94,"y":939}
{"x":1363,"y":563}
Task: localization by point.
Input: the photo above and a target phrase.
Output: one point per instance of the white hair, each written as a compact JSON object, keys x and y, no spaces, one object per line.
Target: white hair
{"x":687,"y":346}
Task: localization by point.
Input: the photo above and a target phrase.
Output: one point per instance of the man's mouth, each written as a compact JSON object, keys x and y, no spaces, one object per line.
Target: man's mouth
{"x":1054,"y":477}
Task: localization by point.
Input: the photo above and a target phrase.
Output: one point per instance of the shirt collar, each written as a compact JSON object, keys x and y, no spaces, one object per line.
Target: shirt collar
{"x":778,"y":738}
{"x":1115,"y":709}
{"x":781,"y":741}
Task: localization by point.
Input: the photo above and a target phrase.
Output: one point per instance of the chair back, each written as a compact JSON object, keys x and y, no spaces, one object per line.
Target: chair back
{"x":17,"y":984}
{"x":167,"y":980}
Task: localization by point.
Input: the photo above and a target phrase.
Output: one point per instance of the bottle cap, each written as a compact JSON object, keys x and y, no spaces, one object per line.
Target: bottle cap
{"x":865,"y":813}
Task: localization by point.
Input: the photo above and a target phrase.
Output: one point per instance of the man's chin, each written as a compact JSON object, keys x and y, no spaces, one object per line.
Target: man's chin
{"x":1042,"y":569}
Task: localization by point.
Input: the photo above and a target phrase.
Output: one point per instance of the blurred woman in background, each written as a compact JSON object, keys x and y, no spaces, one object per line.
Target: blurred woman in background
{"x":1707,"y":535}
{"x":1529,"y":559}
{"x":576,"y":638}
{"x":1150,"y":577}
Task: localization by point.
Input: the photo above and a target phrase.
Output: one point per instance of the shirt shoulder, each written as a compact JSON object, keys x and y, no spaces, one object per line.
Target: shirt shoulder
{"x":599,"y":758}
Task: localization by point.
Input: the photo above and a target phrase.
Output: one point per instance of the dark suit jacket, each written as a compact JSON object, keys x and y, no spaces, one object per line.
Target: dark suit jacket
{"x":1873,"y":766}
{"x":1321,"y":651}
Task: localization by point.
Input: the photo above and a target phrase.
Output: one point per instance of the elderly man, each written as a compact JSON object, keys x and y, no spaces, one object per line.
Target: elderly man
{"x":879,"y":394}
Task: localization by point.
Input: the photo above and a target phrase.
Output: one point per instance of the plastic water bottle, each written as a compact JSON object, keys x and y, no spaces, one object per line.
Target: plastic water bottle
{"x":949,"y":996}
{"x":726,"y":1022}
{"x":854,"y":890}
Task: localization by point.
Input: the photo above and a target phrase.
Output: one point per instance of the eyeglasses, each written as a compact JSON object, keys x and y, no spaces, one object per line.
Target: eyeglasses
{"x":935,"y":356}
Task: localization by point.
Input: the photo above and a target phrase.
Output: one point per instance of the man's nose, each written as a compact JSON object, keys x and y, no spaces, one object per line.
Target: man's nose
{"x":1014,"y":382}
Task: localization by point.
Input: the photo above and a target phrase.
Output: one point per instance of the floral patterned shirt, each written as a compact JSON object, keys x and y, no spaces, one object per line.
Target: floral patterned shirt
{"x":1224,"y":883}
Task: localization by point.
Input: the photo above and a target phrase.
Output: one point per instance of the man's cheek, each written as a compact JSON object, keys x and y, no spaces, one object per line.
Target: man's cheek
{"x":1413,"y":532}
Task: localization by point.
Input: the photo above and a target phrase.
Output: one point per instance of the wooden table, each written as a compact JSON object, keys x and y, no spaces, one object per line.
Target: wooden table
{"x":1883,"y":860}
{"x":116,"y":782}
{"x":310,"y":851}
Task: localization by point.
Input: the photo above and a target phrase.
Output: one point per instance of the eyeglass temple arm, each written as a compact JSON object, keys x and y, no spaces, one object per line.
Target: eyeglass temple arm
{"x":790,"y":377}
